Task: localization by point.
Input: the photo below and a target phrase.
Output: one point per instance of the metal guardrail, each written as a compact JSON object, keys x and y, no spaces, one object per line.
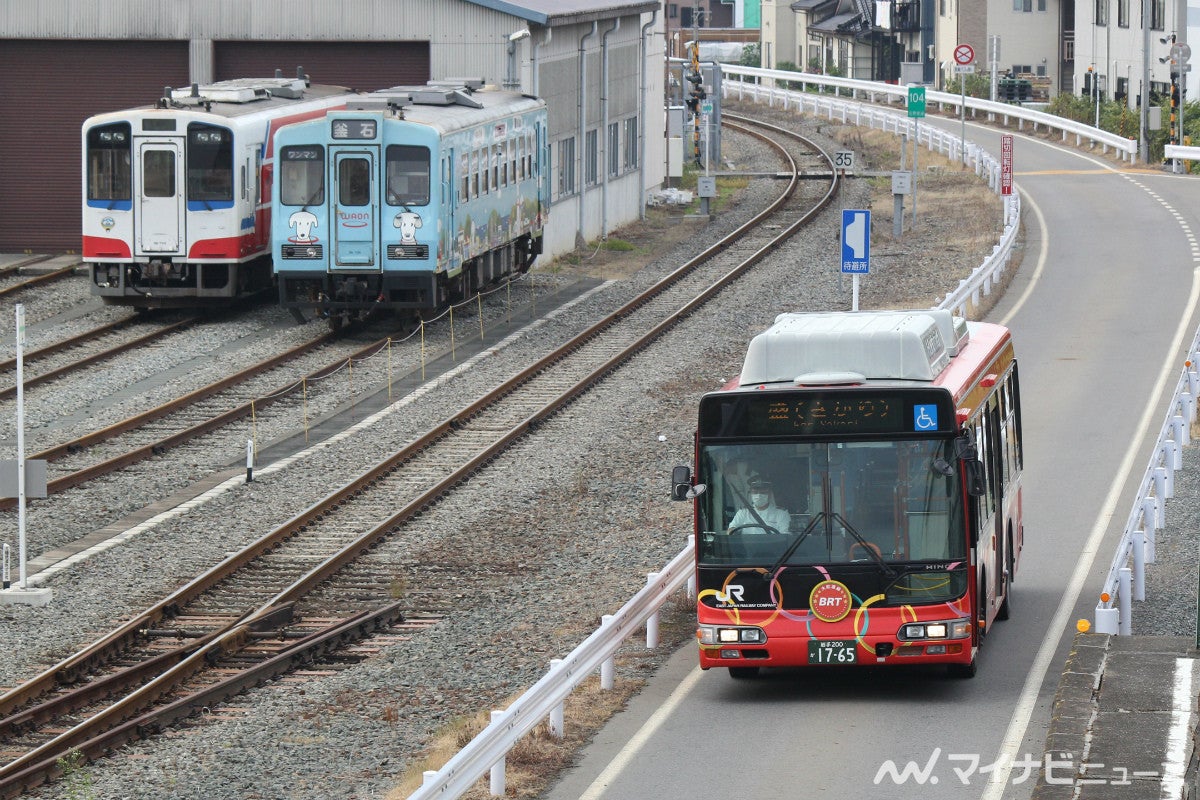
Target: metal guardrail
{"x":1125,"y":583}
{"x":485,"y":753}
{"x":967,"y":295}
{"x":1185,"y":152}
{"x":544,"y":700}
{"x":1127,"y":148}
{"x":1125,"y":580}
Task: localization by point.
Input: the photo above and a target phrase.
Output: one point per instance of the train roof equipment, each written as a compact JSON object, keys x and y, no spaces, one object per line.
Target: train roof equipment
{"x":828,"y":348}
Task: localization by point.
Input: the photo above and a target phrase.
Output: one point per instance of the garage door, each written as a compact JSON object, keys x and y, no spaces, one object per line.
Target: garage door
{"x":49,"y":89}
{"x":362,"y":66}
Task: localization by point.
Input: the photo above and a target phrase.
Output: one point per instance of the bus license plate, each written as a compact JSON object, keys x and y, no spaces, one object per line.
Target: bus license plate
{"x":832,"y":651}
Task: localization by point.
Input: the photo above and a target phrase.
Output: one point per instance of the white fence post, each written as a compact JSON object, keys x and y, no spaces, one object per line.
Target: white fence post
{"x":496,"y":776}
{"x":557,"y":725}
{"x":1125,"y":578}
{"x":1139,"y":565}
{"x":608,"y":667}
{"x":652,"y":620}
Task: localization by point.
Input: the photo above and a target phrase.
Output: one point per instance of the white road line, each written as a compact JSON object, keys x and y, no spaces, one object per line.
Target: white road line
{"x":1179,"y":736}
{"x":618,"y":764}
{"x":1058,"y":625}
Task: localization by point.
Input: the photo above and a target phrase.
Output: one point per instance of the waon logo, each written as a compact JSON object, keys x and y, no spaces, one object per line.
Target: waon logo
{"x":829,"y":601}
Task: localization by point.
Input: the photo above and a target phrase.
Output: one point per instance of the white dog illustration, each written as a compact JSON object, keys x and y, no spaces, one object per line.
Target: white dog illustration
{"x":408,"y":222}
{"x":303,"y":222}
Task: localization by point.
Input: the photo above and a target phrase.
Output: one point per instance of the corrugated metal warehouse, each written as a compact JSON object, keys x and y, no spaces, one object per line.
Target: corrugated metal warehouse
{"x":598,"y":64}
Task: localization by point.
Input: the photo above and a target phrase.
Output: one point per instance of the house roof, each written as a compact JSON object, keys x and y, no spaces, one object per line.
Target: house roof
{"x":562,"y":12}
{"x":835,"y":23}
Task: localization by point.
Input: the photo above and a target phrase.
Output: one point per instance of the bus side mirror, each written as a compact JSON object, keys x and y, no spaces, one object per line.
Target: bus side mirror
{"x":975,"y":481}
{"x":964,"y":448}
{"x":681,"y":483}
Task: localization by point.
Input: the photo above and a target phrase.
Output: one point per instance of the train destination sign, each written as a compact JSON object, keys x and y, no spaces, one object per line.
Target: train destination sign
{"x":354,"y":129}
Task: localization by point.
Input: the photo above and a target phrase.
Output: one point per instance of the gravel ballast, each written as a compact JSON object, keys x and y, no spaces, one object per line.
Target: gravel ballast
{"x":558,"y":531}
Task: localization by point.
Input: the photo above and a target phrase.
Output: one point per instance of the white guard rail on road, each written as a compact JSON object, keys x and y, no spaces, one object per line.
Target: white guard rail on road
{"x":544,"y":700}
{"x":964,"y":299}
{"x":1127,"y":148}
{"x":1125,"y":583}
{"x":485,"y":753}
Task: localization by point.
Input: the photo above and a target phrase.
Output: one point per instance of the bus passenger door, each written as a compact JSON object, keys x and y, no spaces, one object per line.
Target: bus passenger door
{"x":355,"y":212}
{"x":158,"y":184}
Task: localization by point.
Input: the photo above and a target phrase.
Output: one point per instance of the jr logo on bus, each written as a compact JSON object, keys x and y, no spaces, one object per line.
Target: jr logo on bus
{"x":829,"y":601}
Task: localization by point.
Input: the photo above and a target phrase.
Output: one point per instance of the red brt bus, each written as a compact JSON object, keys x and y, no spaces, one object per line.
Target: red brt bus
{"x":857,"y":494}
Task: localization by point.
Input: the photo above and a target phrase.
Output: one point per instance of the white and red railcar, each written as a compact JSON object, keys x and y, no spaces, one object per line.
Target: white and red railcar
{"x":177,"y":195}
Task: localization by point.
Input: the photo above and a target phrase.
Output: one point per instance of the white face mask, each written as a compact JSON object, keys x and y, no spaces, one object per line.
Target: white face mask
{"x":759,"y":499}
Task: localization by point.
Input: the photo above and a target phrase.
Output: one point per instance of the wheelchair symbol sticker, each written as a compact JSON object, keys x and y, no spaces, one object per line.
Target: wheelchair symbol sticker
{"x":925,"y":417}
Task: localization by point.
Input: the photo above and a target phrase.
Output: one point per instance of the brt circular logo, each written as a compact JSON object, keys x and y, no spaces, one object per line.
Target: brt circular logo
{"x":829,"y":601}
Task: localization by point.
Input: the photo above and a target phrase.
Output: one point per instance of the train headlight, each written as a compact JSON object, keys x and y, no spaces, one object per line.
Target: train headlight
{"x":712,"y":634}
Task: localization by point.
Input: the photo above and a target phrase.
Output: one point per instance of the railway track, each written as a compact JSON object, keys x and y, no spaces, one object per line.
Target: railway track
{"x":12,"y":282}
{"x":233,"y":397}
{"x":270,"y":585}
{"x":87,"y":349}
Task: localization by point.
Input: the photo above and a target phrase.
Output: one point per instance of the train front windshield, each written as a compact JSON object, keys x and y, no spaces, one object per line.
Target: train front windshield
{"x":825,"y":503}
{"x":407,"y":175}
{"x":209,"y":163}
{"x":108,"y":163}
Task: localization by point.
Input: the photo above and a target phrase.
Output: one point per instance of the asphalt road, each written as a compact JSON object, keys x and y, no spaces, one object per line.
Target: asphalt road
{"x":1101,"y":308}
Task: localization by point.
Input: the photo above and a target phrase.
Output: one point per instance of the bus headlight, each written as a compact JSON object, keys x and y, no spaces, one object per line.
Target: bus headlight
{"x":713,"y":634}
{"x":950,"y":629}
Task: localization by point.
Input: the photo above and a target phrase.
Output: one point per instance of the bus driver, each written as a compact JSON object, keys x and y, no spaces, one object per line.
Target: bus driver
{"x":763,"y":516}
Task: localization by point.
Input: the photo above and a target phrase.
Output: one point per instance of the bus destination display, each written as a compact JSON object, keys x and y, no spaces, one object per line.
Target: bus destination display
{"x":825,"y":413}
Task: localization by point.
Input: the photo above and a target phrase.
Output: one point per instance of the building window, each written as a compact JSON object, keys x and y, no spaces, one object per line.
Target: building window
{"x":566,"y":167}
{"x":1157,"y":14}
{"x":591,"y":157}
{"x":631,"y":143}
{"x":1123,"y":13}
{"x":614,"y":149}
{"x":673,"y":10}
{"x":1102,"y":12}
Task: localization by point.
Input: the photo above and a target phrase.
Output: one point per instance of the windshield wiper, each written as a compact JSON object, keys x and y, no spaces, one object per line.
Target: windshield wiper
{"x":870,"y":547}
{"x":791,"y":548}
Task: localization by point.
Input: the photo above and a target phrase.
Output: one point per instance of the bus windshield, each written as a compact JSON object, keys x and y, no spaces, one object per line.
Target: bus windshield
{"x":817,"y":503}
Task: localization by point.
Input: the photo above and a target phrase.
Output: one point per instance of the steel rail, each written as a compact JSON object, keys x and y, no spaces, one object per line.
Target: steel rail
{"x":87,"y":361}
{"x":234,"y":636}
{"x":37,"y":280}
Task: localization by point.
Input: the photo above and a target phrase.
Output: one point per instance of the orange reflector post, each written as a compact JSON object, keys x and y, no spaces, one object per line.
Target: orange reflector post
{"x":1083,"y":626}
{"x":1105,"y":597}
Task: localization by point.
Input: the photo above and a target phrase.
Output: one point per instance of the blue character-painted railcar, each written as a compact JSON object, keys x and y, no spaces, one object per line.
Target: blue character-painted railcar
{"x":408,"y":199}
{"x":176,"y":196}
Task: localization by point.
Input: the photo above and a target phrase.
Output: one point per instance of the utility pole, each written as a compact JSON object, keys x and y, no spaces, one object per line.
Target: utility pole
{"x":697,"y":80}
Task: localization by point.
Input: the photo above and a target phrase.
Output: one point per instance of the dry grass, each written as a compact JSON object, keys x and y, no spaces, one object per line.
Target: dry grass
{"x":956,"y":213}
{"x":536,"y":761}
